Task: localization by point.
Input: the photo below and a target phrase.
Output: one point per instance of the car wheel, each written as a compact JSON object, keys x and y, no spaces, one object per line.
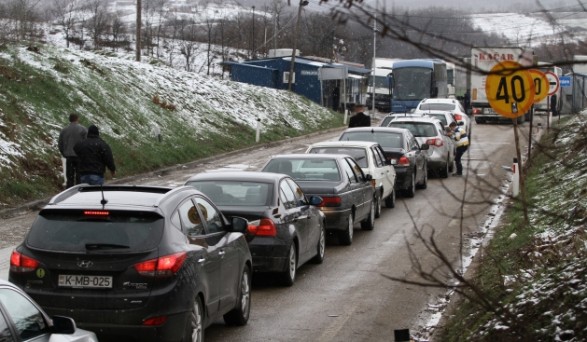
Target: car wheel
{"x":390,"y":200}
{"x":369,"y":222}
{"x":195,"y":328}
{"x":321,"y":247}
{"x":346,"y":236}
{"x":411,"y":190}
{"x":240,"y":314}
{"x":288,"y":276}
{"x":378,"y":204}
{"x":444,"y":171}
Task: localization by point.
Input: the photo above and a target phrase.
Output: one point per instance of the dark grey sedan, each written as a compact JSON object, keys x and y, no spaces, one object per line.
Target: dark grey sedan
{"x":286,"y":229}
{"x":346,"y":192}
{"x":402,"y":150}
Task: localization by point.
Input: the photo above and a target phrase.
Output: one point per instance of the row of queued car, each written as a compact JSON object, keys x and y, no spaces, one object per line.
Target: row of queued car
{"x":146,"y":263}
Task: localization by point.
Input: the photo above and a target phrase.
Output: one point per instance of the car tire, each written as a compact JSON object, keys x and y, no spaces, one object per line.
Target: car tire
{"x":346,"y":236}
{"x":369,"y":222}
{"x":411,"y":190}
{"x":378,"y":204}
{"x":288,"y":276}
{"x":390,"y":200}
{"x":320,"y":247}
{"x":240,"y":314}
{"x":195,"y":325}
{"x":445,"y":170}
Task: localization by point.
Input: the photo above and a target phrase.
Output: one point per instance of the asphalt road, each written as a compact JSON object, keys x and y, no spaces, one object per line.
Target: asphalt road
{"x":347,"y":298}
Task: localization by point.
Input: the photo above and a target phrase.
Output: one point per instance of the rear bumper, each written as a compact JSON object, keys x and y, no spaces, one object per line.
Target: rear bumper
{"x":403,"y":178}
{"x":269,"y":256}
{"x":336,"y":218}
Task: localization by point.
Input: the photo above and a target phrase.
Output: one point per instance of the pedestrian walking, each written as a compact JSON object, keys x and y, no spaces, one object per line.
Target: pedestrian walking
{"x":94,"y":156}
{"x":68,"y":138}
{"x":359,"y":119}
{"x":462,"y":141}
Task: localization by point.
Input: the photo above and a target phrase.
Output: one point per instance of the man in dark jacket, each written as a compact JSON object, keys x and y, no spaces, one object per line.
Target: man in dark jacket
{"x":360,"y":119}
{"x":68,"y":137}
{"x":94,"y":156}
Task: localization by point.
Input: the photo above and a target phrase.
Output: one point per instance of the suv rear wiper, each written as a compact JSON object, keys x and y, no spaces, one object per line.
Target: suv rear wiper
{"x":105,"y":246}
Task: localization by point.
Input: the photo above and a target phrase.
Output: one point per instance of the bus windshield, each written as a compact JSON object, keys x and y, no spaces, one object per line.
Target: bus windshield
{"x":412,"y":83}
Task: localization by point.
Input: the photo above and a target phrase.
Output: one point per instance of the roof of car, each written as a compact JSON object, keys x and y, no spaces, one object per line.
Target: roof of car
{"x":415,"y":119}
{"x":376,"y":129}
{"x":439,"y":100}
{"x":121,"y":196}
{"x":345,"y":143}
{"x":309,"y":156}
{"x":257,"y":176}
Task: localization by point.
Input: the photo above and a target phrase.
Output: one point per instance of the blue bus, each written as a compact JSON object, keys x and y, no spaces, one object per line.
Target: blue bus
{"x":413,"y":80}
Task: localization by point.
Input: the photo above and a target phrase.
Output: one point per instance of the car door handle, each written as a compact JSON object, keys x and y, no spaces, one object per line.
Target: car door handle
{"x":221,"y":252}
{"x":303,"y":217}
{"x":201,"y":260}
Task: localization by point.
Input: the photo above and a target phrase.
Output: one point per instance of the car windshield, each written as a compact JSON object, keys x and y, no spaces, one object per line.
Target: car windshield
{"x":99,"y":230}
{"x":385,"y":139}
{"x":418,"y":129}
{"x":359,"y":154}
{"x":306,"y":169}
{"x":236,"y":193}
{"x":437,"y":106}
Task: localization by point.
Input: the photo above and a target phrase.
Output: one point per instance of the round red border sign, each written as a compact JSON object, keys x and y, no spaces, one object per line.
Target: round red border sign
{"x":555,"y":79}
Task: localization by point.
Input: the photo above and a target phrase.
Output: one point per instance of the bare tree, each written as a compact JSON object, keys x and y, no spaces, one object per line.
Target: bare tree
{"x":23,"y":16}
{"x":98,"y":23}
{"x":64,"y":12}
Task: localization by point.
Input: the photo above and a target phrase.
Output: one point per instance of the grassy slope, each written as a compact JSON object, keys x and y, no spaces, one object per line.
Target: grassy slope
{"x":198,"y":116}
{"x":545,"y":298}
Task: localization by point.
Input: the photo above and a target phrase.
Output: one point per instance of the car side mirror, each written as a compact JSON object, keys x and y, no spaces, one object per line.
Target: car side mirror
{"x":424,"y":147}
{"x":368,"y":177}
{"x":315,"y":200}
{"x":63,"y":325}
{"x":239,"y":224}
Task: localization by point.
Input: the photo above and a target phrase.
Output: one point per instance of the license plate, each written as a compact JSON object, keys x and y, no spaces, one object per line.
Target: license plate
{"x":85,"y":281}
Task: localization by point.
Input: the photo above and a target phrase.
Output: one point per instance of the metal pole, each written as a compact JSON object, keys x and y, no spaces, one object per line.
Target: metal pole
{"x":293,"y":53}
{"x":138,"y":24}
{"x":253,"y":38}
{"x":374,"y":56}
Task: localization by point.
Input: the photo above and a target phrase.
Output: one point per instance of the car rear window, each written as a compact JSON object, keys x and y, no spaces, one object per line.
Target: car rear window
{"x":385,"y":139}
{"x":418,"y":129}
{"x":306,"y":169}
{"x":359,"y":154}
{"x":96,"y":230}
{"x":437,"y":106}
{"x":236,"y":193}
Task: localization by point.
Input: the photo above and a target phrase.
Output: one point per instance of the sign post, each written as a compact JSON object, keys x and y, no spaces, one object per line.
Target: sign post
{"x":554,"y":85}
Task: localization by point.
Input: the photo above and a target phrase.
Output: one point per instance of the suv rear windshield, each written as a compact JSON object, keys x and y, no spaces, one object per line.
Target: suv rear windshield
{"x":437,"y":106}
{"x":96,"y":230}
{"x":385,"y":139}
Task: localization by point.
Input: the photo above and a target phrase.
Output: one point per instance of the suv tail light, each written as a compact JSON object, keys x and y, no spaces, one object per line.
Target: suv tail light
{"x":164,"y":266}
{"x":403,"y":161}
{"x":331,"y":201}
{"x":266,"y":227}
{"x":458,"y":117}
{"x":435,"y":142}
{"x":22,"y":263}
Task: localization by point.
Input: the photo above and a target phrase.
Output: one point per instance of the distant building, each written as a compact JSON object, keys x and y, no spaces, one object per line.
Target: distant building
{"x":314,"y":78}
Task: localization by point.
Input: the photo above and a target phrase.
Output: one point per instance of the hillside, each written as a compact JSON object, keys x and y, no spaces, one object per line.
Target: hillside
{"x":198,"y":116}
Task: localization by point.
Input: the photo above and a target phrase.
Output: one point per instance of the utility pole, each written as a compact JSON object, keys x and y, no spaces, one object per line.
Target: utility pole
{"x":253,"y":38}
{"x":138,"y":24}
{"x":373,"y":63}
{"x":295,"y":38}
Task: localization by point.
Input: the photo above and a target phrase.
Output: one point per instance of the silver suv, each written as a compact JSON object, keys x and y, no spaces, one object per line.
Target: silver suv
{"x":441,"y":154}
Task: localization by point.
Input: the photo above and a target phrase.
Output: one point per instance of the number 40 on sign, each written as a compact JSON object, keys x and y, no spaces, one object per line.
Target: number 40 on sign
{"x":510,"y":89}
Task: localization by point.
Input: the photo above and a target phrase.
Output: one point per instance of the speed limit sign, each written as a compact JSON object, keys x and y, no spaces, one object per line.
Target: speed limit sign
{"x":510,"y":89}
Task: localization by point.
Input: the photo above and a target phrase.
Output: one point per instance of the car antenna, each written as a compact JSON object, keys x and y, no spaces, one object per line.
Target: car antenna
{"x":104,"y":200}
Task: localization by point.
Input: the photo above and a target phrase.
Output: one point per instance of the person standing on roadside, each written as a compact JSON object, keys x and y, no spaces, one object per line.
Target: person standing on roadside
{"x":68,"y":138}
{"x":360,"y":119}
{"x":94,"y":156}
{"x":462,"y":141}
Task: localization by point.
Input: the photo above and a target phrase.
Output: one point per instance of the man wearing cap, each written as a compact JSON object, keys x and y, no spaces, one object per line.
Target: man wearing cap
{"x":360,"y":119}
{"x":94,"y":156}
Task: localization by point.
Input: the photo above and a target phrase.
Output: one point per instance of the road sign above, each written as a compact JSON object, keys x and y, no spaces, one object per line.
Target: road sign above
{"x":553,"y":81}
{"x":510,"y":89}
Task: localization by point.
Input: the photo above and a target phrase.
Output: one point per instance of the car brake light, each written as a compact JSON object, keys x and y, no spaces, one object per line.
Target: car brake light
{"x":155,"y":321}
{"x":458,"y":117}
{"x":266,"y":227}
{"x":164,"y":266}
{"x":22,"y":263}
{"x":98,"y":213}
{"x":403,"y":161}
{"x":331,"y":201}
{"x":435,"y":142}
{"x":476,"y":111}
